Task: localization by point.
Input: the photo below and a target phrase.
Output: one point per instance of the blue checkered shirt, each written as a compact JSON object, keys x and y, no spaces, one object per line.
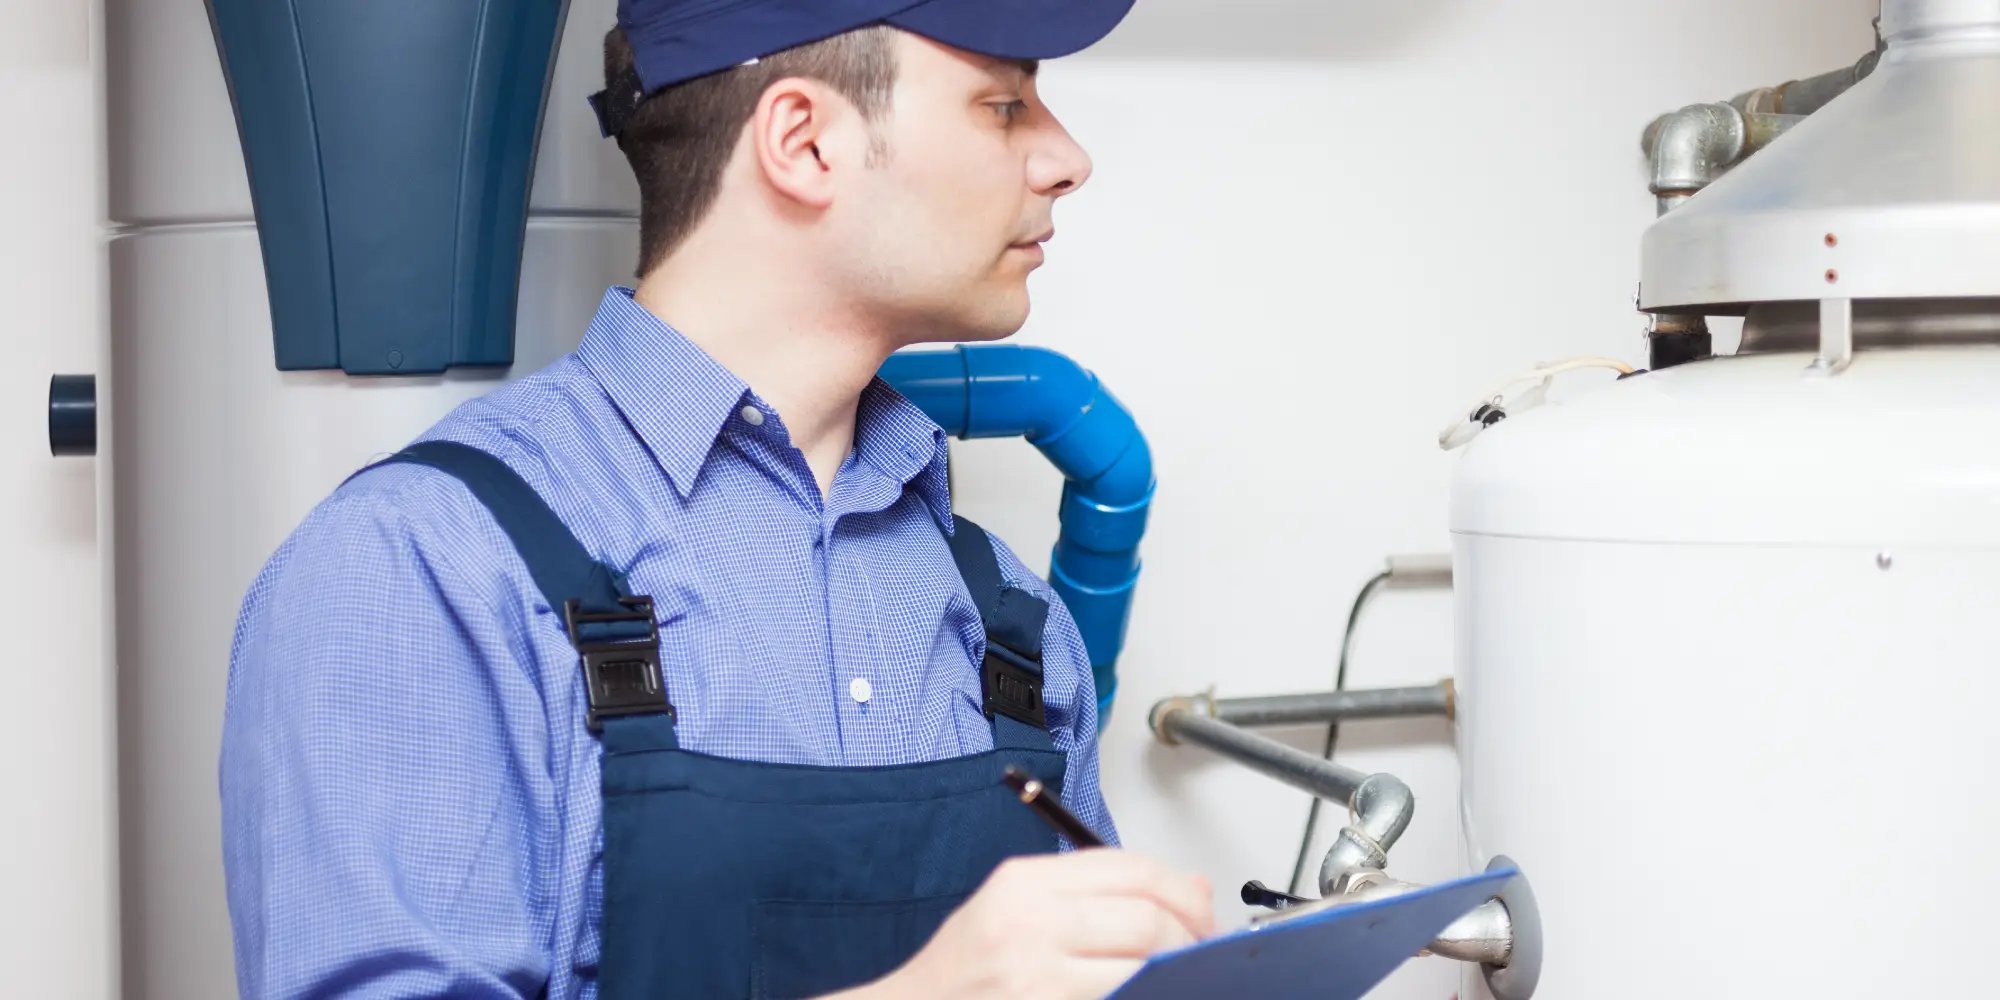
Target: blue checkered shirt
{"x":409,"y":794}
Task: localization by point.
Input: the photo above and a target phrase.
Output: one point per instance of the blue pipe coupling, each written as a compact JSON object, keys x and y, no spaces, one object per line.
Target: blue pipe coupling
{"x":1004,"y":390}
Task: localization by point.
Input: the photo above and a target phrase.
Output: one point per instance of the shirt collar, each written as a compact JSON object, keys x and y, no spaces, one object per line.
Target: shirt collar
{"x":673,"y":394}
{"x":678,"y":399}
{"x":903,"y":443}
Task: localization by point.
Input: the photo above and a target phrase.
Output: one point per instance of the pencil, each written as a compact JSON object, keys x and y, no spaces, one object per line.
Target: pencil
{"x":1030,"y":790}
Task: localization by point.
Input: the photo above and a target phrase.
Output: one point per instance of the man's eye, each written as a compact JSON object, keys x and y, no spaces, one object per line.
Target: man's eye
{"x":1011,"y":111}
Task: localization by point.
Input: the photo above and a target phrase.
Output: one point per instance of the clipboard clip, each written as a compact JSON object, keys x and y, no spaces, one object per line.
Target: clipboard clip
{"x":1255,"y":893}
{"x":1362,"y":887}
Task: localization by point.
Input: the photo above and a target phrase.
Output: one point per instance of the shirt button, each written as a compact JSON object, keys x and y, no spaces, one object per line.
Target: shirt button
{"x":861,"y":690}
{"x":753,"y":416}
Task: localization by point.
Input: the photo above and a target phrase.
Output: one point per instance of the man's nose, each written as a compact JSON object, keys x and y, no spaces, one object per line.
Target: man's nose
{"x":1060,"y":166}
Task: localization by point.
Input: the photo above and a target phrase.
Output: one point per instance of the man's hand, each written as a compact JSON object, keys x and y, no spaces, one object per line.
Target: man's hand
{"x":1070,"y":926}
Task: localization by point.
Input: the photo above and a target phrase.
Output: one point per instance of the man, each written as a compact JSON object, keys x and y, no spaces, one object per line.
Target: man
{"x":659,"y":672}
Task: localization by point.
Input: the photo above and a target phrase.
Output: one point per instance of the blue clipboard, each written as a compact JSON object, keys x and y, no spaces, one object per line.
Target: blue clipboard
{"x":1336,"y":954}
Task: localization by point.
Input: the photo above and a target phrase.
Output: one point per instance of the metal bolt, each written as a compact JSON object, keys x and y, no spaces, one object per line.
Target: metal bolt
{"x":1832,"y":240}
{"x":1832,"y":276}
{"x":1884,"y":560}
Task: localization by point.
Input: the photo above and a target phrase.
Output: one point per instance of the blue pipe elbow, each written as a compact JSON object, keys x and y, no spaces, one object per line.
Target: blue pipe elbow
{"x":1004,"y":390}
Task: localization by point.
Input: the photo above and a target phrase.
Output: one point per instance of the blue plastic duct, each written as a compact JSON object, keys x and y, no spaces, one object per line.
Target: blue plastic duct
{"x":1008,"y":391}
{"x":390,"y":146}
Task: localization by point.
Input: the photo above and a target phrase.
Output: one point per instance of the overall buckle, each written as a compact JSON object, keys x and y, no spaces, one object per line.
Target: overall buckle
{"x":622,"y":674}
{"x":1011,"y":685}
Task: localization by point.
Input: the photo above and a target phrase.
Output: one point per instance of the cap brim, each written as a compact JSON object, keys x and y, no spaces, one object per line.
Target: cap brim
{"x":1015,"y":29}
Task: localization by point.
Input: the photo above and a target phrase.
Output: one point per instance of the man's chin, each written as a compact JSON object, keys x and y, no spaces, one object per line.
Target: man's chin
{"x":996,"y":331}
{"x":972,"y":318}
{"x":998,"y":319}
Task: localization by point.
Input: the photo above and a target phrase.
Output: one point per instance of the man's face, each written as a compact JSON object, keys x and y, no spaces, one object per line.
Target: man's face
{"x":946,"y":226}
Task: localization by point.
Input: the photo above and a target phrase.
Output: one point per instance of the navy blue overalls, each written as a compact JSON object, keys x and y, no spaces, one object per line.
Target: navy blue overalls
{"x":730,"y":878}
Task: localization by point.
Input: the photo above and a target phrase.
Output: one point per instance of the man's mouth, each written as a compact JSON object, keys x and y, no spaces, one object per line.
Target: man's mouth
{"x":1037,"y":240}
{"x":1033,"y":245}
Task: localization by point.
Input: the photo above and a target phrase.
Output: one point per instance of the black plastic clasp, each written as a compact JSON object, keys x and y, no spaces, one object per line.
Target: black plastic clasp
{"x":1011,"y":685}
{"x":616,"y":105}
{"x":621,"y":673}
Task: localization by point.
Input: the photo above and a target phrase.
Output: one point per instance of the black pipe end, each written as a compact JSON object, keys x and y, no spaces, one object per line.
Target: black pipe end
{"x":72,"y":415}
{"x":1665,"y":350}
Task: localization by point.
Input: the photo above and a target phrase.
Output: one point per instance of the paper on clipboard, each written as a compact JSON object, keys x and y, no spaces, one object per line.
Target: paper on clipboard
{"x":1336,"y":954}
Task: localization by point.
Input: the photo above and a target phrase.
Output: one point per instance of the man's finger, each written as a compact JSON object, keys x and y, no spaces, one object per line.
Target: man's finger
{"x":1121,"y":927}
{"x":1108,"y":871}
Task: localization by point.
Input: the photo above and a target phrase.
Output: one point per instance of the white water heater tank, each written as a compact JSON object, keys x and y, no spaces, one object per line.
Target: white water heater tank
{"x":1729,"y":647}
{"x":1728,"y":630}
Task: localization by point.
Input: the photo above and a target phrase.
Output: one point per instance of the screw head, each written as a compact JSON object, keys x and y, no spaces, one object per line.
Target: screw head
{"x":1832,"y":240}
{"x":1832,"y":276}
{"x":1884,"y":560}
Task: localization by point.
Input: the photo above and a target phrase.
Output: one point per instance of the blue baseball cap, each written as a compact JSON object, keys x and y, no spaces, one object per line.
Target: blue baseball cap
{"x":674,"y":41}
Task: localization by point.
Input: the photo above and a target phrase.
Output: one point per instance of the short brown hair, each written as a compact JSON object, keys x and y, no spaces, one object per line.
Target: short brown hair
{"x":680,"y":139}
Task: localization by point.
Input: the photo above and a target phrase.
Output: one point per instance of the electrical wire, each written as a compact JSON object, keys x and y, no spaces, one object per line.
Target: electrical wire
{"x":1462,"y":428}
{"x":1333,"y":728}
{"x":1555,"y":368}
{"x":1575,"y":364}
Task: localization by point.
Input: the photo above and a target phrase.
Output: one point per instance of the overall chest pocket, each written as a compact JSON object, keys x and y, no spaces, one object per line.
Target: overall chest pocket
{"x":806,"y":949}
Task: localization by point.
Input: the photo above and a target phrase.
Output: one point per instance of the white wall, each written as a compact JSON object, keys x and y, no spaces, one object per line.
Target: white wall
{"x":57,"y":928}
{"x":1317,"y":228}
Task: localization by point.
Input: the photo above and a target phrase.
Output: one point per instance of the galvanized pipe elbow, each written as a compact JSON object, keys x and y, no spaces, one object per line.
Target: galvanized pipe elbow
{"x":1691,"y":147}
{"x":1378,"y":813}
{"x":1379,"y":806}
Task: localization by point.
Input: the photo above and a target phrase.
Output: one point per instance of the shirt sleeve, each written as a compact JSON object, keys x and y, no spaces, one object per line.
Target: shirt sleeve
{"x":1068,"y":688}
{"x":380,"y":737}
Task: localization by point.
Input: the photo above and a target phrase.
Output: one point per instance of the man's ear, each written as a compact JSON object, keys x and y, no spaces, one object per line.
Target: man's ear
{"x":801,"y":133}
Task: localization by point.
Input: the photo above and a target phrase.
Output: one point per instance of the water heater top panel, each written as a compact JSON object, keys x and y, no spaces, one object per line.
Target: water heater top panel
{"x":1890,"y":191}
{"x":1753,"y":450}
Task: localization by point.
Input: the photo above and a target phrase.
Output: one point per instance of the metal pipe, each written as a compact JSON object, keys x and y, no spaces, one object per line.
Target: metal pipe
{"x":1337,"y":706}
{"x":1676,"y":339}
{"x":1379,"y":805}
{"x":1485,"y":936}
{"x":1765,"y":114}
{"x":1191,"y":721}
{"x":1803,"y":97}
{"x":1692,"y":147}
{"x":1414,"y":572}
{"x":1762,"y":129}
{"x":1689,"y":149}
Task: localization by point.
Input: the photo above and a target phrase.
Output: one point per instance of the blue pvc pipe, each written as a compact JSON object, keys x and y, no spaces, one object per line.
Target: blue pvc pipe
{"x":1003,"y":390}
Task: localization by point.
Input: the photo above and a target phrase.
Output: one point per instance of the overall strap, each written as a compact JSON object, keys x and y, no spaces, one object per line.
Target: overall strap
{"x":1010,"y":678}
{"x":613,"y":630}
